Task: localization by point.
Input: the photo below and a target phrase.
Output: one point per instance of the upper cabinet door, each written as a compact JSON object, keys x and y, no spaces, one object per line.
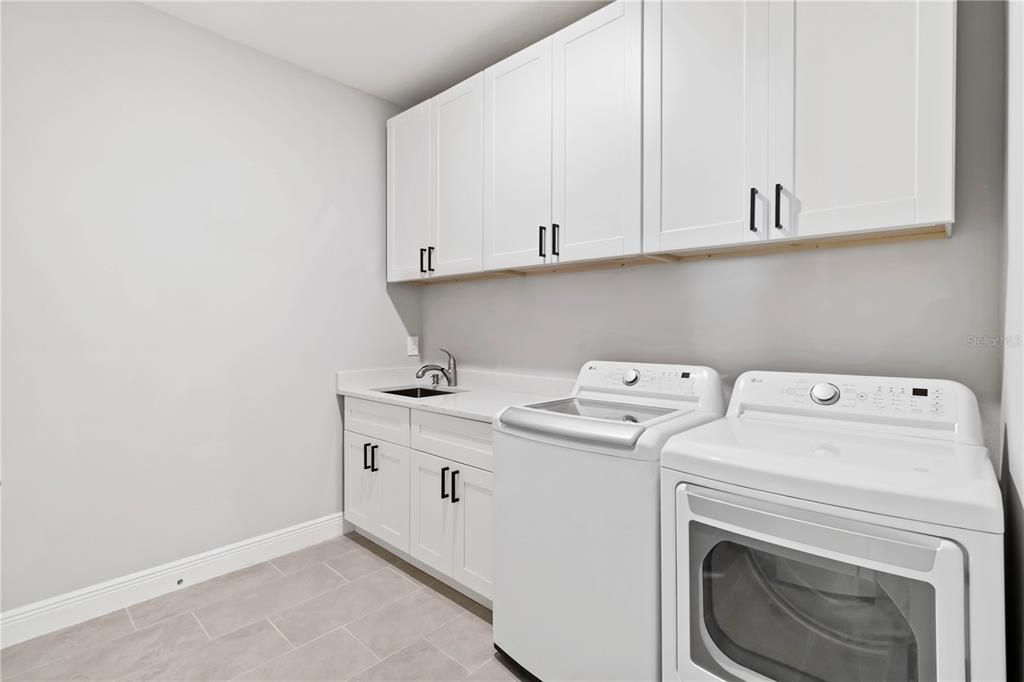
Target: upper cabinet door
{"x":408,"y":193}
{"x":597,"y":134}
{"x":457,"y":143}
{"x":517,"y":159}
{"x":862,"y":105}
{"x":705,"y":124}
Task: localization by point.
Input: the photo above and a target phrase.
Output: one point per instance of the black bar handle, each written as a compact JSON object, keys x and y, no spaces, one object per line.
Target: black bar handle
{"x":778,"y":206}
{"x":444,"y":493}
{"x":373,"y":458}
{"x":423,"y":252}
{"x":541,"y":235}
{"x":554,"y":239}
{"x":454,"y":498}
{"x":366,"y":464}
{"x":430,"y":259}
{"x":753,"y":208}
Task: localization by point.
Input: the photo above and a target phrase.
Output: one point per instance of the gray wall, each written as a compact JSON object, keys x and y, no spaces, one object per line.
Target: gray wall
{"x":904,"y":310}
{"x":192,"y":245}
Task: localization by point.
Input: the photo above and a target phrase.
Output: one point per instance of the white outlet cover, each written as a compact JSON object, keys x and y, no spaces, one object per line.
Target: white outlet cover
{"x":412,"y":346}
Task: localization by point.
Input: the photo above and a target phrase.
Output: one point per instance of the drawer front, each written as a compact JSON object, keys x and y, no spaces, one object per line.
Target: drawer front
{"x":387,"y":422}
{"x":460,"y":440}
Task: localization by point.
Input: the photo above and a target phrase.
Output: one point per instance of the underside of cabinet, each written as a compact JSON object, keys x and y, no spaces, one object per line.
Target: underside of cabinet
{"x":732,"y":251}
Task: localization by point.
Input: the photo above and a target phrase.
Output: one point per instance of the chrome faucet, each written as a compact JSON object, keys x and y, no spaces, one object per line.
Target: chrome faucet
{"x":451,"y":374}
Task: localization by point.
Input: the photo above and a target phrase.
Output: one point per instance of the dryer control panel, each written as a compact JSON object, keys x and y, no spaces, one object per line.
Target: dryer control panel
{"x":933,"y":404}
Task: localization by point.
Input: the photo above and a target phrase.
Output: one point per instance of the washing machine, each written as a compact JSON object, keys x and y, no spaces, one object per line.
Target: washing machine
{"x":833,"y":528}
{"x":576,"y":514}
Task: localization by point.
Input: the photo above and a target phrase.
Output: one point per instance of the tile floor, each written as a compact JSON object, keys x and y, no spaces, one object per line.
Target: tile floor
{"x":344,"y":609}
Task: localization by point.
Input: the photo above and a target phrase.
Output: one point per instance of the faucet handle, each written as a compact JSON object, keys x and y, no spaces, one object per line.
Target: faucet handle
{"x":451,"y":358}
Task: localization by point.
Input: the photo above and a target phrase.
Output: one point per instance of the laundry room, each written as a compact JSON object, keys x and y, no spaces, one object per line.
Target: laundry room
{"x":512,"y":340}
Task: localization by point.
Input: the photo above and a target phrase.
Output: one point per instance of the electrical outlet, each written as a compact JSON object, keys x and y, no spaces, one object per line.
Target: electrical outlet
{"x":412,"y":346}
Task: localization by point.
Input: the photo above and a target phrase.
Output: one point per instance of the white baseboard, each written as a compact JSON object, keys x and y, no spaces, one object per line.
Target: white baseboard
{"x":48,"y":615}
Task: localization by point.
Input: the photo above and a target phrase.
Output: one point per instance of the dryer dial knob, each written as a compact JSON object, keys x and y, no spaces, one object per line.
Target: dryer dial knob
{"x":630,"y":377}
{"x":824,"y":393}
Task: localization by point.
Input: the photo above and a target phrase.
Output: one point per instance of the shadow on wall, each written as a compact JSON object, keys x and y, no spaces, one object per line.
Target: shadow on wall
{"x":1014,"y":562}
{"x":407,"y":302}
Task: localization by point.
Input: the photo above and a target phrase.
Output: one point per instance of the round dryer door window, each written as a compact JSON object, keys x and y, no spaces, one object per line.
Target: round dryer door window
{"x":793,"y":616}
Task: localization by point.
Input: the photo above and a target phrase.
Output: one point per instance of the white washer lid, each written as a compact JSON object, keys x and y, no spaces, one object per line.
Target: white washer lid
{"x":929,"y":480}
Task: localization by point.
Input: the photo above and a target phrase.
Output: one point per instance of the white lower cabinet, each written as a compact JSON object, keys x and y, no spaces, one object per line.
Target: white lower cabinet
{"x":473,"y":546}
{"x":359,"y":483}
{"x":432,"y":512}
{"x":430,"y":505}
{"x":377,"y":488}
{"x":452,"y":520}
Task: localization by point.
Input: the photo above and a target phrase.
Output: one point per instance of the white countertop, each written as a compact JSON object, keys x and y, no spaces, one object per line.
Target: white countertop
{"x":480,"y":394}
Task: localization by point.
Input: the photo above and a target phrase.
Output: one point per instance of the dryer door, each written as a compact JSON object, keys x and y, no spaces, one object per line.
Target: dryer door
{"x":773,"y":592}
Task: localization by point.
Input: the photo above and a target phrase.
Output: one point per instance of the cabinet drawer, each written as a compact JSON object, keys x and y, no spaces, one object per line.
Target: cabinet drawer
{"x":460,"y":440}
{"x":387,"y":422}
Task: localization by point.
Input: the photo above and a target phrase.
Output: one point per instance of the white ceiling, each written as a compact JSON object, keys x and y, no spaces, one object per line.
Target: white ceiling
{"x":403,"y":51}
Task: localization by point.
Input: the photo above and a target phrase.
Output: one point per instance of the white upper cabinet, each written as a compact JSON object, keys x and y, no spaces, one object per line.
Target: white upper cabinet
{"x":705,"y":124}
{"x":862,"y":111}
{"x":795,"y":118}
{"x":596,"y":158}
{"x":408,"y":187}
{"x":517,"y":159}
{"x":457,"y":145}
{"x":681,"y":125}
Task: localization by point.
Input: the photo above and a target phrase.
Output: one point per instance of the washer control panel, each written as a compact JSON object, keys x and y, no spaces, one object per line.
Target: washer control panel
{"x":643,"y":378}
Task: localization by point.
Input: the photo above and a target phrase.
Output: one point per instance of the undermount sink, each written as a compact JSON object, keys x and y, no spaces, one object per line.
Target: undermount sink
{"x":417,"y":392}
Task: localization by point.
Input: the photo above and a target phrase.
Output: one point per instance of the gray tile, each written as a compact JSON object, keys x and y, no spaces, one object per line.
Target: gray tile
{"x":467,"y":639}
{"x":128,"y":654}
{"x":402,"y":622}
{"x":207,"y":592}
{"x":296,"y":561}
{"x":419,"y":661}
{"x":342,"y":605}
{"x":493,"y":671}
{"x":265,"y":599}
{"x":357,"y":563}
{"x":63,"y":643}
{"x":336,"y":656}
{"x":223,"y":658}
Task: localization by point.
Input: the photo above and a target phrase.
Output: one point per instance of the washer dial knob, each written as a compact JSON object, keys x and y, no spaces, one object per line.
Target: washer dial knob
{"x":824,"y":393}
{"x":630,"y":377}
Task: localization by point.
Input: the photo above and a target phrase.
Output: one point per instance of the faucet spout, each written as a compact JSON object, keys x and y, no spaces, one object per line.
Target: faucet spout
{"x":422,"y":372}
{"x":450,"y":374}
